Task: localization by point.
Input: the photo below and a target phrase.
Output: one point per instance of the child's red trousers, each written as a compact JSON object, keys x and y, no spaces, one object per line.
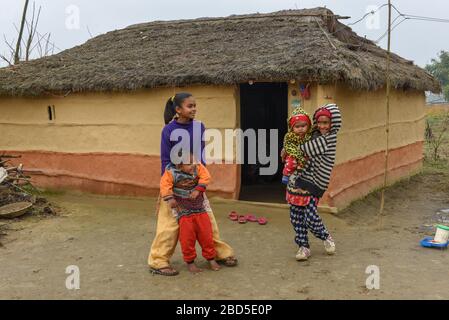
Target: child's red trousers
{"x":196,"y":227}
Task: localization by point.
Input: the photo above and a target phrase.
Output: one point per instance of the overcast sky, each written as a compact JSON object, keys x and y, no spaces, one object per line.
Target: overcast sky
{"x":415,"y":40}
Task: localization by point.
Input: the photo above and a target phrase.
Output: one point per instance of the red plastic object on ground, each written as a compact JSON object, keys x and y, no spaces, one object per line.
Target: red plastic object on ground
{"x":233,"y":216}
{"x":242,"y":219}
{"x":251,"y":218}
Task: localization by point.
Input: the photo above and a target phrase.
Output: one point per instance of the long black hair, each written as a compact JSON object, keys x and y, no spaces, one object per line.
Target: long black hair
{"x":172,"y":103}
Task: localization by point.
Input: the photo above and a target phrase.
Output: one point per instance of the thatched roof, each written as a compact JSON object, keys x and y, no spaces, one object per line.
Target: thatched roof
{"x":309,"y":44}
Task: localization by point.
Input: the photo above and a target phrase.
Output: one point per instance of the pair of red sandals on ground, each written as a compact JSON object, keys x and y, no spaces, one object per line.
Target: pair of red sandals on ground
{"x":234,"y":216}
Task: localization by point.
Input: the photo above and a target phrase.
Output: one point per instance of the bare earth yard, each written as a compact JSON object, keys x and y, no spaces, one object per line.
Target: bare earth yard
{"x":108,"y":238}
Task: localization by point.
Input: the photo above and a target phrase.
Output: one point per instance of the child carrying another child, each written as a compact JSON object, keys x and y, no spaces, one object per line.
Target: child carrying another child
{"x":182,"y":186}
{"x":309,"y":184}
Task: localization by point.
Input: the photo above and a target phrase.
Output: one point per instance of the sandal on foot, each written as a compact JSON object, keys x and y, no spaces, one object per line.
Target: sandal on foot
{"x":262,"y":221}
{"x":228,"y":262}
{"x":170,"y":271}
{"x":233,"y":216}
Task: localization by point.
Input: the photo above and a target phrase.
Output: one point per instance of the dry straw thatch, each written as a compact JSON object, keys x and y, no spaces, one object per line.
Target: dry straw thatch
{"x":309,"y":44}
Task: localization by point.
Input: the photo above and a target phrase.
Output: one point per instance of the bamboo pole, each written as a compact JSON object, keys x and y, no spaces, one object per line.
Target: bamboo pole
{"x":387,"y":121}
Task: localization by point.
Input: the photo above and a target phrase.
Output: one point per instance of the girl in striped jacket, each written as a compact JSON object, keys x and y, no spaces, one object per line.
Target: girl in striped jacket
{"x":313,"y":180}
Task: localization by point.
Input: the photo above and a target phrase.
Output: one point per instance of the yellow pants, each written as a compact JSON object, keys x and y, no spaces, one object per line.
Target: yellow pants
{"x":166,"y":238}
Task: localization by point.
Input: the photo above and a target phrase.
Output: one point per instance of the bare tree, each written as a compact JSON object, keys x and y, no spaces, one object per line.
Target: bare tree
{"x":435,"y":141}
{"x":11,"y":51}
{"x":27,"y":43}
{"x":32,"y":29}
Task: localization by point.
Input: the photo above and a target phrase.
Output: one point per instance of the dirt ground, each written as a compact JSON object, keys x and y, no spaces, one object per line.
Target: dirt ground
{"x":108,"y":238}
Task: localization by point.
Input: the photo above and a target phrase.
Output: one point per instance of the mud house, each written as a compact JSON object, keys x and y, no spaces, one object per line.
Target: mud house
{"x":90,"y":117}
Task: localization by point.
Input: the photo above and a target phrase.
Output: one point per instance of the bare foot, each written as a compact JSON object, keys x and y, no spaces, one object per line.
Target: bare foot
{"x":214,"y":265}
{"x":193,"y":268}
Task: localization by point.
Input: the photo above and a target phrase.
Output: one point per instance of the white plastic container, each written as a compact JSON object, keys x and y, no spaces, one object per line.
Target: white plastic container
{"x":3,"y":174}
{"x":441,"y":234}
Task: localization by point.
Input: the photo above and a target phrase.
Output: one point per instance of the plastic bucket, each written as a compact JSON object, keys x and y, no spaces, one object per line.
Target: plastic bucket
{"x":442,"y":234}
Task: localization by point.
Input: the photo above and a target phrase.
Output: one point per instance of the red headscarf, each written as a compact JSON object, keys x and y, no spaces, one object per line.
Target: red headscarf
{"x":323,"y":112}
{"x":299,"y":117}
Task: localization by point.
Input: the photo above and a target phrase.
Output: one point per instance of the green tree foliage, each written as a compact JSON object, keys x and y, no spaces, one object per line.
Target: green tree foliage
{"x":439,"y":68}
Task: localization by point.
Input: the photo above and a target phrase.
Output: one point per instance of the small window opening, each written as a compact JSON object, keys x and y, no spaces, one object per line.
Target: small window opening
{"x":51,"y":112}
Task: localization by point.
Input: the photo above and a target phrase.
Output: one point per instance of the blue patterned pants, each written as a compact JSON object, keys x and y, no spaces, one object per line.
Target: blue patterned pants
{"x":306,"y":218}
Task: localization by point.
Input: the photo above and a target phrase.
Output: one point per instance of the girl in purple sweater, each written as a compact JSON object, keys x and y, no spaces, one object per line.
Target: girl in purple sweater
{"x":184,"y":123}
{"x":181,"y":130}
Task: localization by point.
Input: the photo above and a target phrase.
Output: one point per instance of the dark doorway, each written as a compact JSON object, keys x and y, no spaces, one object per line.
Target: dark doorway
{"x":263,"y":106}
